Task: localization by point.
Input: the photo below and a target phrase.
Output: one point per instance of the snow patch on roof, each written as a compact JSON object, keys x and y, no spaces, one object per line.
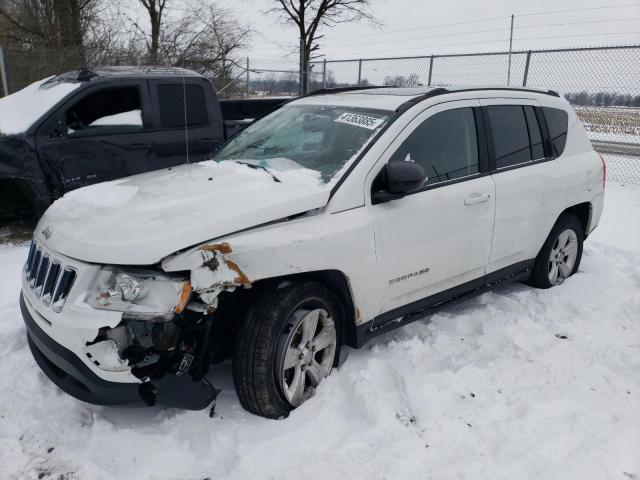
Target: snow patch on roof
{"x":20,"y":110}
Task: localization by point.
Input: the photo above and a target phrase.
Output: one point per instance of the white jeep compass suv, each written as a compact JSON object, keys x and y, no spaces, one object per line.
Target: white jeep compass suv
{"x":337,"y":217}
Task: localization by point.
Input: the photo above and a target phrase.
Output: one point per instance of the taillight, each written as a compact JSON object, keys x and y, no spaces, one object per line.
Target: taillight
{"x":604,"y":170}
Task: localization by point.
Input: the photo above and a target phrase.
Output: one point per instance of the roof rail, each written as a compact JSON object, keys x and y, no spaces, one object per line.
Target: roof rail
{"x":431,"y":93}
{"x":442,"y":90}
{"x":325,"y":91}
{"x":553,"y":93}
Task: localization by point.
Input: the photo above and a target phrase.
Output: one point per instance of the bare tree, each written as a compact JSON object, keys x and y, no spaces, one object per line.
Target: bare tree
{"x":46,"y":23}
{"x":411,"y":80}
{"x":155,"y":10}
{"x":309,"y":16}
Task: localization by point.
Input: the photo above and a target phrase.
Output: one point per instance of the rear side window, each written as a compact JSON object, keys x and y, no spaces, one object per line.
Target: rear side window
{"x":557,"y":122}
{"x":445,"y":144}
{"x":510,"y":134}
{"x":174,"y":110}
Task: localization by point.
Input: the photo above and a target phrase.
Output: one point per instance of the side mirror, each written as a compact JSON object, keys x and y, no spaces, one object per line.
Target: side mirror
{"x":398,"y":179}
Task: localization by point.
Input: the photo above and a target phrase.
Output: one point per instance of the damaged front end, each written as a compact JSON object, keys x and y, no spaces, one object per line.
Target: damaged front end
{"x":163,"y":337}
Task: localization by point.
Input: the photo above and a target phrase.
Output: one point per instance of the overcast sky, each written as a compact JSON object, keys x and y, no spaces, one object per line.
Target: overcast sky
{"x":417,"y":27}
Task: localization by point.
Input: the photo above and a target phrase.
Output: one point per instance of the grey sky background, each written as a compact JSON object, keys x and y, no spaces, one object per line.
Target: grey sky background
{"x":418,"y":27}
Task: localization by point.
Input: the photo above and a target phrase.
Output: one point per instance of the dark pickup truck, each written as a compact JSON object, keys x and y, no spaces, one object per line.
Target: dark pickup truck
{"x":89,"y":126}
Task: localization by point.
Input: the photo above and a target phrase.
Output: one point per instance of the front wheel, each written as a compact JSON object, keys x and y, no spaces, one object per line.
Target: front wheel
{"x":560,"y":255}
{"x":289,"y":342}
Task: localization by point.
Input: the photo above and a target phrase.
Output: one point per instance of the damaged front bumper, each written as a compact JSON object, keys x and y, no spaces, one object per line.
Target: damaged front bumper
{"x":71,"y":374}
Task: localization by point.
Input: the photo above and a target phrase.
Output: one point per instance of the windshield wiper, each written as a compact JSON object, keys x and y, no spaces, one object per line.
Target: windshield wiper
{"x":260,"y":167}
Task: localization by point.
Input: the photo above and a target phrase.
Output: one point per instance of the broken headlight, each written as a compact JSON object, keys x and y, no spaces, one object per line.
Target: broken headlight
{"x":142,"y":295}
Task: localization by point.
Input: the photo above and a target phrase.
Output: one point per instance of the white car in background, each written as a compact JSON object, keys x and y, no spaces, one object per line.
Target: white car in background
{"x":338,"y":217}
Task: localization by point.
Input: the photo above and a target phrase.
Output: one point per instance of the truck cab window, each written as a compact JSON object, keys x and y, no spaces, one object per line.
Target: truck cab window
{"x":108,"y":110}
{"x":173,"y":98}
{"x":445,"y":144}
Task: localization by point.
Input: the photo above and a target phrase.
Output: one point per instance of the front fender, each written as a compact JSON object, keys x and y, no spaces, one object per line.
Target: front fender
{"x":19,"y":163}
{"x":343,"y":241}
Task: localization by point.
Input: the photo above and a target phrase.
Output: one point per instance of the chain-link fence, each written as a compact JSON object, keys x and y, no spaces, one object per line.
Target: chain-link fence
{"x":602,"y":84}
{"x":21,"y":67}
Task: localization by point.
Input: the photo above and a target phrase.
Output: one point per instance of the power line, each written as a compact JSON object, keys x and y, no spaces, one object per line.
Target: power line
{"x":473,"y":32}
{"x":422,"y":28}
{"x":549,"y":12}
{"x":579,"y":22}
{"x":578,"y":35}
{"x":456,"y":34}
{"x":480,"y":42}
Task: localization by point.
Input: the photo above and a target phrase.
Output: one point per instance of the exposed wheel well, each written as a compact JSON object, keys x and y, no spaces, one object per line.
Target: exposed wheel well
{"x":583,"y":212}
{"x":15,"y":199}
{"x":232,"y":307}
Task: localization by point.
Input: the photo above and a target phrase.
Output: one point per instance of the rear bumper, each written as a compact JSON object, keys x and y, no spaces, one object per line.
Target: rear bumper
{"x":72,"y":375}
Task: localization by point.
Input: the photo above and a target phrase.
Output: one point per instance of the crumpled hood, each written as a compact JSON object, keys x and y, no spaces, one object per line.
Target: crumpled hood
{"x":140,"y":220}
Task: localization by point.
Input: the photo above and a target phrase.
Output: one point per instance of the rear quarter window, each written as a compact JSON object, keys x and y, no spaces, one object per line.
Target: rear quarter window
{"x":557,"y":122}
{"x":173,"y":99}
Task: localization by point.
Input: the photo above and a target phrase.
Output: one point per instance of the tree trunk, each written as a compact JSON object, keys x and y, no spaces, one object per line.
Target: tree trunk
{"x":155,"y":35}
{"x":68,"y":18}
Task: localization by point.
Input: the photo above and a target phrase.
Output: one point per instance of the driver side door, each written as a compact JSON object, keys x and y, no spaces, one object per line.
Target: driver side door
{"x":100,"y":134}
{"x":439,"y":236}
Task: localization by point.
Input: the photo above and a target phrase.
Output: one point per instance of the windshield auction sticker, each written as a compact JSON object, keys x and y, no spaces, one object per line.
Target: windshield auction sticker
{"x":360,"y":120}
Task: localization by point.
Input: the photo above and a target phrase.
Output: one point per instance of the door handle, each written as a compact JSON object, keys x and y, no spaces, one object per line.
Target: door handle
{"x":477,"y":198}
{"x":141,"y":145}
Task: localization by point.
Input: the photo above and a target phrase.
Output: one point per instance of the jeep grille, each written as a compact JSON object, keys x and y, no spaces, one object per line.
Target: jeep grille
{"x":49,"y":279}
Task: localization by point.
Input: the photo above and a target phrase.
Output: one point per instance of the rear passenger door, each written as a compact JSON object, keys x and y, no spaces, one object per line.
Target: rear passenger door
{"x":528,"y":181}
{"x":185,"y":125}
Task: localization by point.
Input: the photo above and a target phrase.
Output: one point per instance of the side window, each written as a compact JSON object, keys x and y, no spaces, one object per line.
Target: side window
{"x":535,"y":137}
{"x":108,"y":110}
{"x":445,"y":144}
{"x":557,"y":122}
{"x":510,"y":134}
{"x":172,"y":105}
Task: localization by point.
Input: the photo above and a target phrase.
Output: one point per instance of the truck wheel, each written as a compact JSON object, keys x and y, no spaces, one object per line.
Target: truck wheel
{"x":289,"y":341}
{"x":560,"y":255}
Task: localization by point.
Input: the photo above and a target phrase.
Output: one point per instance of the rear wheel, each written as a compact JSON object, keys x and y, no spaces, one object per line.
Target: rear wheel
{"x":560,"y":255}
{"x":288,"y":343}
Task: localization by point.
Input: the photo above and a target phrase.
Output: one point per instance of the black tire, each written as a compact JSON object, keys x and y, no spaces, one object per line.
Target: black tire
{"x":255,"y":363}
{"x":539,"y":277}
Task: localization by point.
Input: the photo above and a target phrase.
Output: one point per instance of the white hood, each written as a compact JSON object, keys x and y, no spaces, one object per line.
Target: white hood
{"x":140,"y":220}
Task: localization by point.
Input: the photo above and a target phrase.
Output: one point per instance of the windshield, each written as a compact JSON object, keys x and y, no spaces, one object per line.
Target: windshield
{"x":305,"y":141}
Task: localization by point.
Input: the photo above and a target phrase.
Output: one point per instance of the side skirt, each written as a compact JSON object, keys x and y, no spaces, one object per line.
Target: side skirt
{"x":411,"y":312}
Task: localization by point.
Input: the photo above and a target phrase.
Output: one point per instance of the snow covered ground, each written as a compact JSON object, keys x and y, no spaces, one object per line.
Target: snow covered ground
{"x":515,"y":384}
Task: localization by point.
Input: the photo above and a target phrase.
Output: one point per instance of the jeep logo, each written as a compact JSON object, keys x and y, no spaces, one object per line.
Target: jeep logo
{"x":46,"y":232}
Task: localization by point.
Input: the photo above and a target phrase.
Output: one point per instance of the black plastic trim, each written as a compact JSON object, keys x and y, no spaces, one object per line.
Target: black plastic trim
{"x":411,"y":312}
{"x":481,"y":134}
{"x":69,"y":373}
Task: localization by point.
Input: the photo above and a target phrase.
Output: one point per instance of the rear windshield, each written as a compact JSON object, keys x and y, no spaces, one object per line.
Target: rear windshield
{"x":322,"y":139}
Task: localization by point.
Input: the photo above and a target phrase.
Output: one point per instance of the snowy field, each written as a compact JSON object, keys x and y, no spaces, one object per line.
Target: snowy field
{"x":515,"y":384}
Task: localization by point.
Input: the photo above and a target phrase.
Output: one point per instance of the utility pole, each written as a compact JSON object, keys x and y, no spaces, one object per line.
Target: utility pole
{"x":247,"y":77}
{"x":3,"y":73}
{"x":510,"y":49}
{"x":302,"y":66}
